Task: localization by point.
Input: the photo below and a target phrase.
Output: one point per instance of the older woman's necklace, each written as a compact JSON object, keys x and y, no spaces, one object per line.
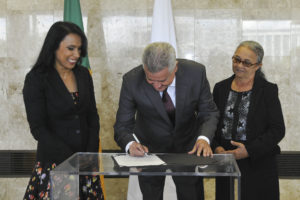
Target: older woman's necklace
{"x":242,"y":86}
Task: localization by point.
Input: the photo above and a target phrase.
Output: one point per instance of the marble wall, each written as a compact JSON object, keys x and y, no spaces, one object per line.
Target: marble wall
{"x":207,"y":31}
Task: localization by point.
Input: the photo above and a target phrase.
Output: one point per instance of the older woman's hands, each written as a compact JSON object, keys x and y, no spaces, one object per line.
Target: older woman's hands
{"x":240,"y":152}
{"x":219,"y":150}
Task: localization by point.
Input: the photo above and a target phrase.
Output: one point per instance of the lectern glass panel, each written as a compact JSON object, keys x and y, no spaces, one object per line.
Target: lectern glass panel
{"x":65,"y":178}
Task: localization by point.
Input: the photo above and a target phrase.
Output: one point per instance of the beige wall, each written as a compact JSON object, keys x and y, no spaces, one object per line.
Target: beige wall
{"x":207,"y":31}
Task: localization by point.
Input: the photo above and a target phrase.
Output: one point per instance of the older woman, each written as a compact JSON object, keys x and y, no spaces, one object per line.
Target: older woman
{"x":251,"y":125}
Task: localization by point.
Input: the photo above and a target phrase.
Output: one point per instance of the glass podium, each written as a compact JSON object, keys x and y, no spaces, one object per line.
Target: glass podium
{"x":65,"y":177}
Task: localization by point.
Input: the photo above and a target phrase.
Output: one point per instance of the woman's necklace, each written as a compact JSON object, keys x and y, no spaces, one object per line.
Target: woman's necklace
{"x":242,"y":86}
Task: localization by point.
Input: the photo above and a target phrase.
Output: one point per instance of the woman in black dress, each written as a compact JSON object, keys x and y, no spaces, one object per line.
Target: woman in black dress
{"x":61,"y":110}
{"x":251,"y":125}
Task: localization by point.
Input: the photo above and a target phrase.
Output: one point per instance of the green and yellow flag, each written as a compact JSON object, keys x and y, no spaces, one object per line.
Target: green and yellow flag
{"x":72,"y":13}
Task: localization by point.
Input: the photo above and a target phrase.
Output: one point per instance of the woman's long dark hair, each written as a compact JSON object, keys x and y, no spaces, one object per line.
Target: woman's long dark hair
{"x":55,"y":35}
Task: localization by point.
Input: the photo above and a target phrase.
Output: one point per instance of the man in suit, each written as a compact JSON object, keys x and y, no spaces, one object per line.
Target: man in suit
{"x":168,"y":105}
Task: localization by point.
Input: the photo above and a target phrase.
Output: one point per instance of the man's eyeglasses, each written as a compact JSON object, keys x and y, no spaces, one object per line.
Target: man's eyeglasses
{"x":246,"y":63}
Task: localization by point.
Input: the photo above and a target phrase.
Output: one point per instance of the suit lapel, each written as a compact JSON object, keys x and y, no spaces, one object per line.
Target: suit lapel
{"x":256,"y":93}
{"x":81,"y":85}
{"x":58,"y":84}
{"x":225,"y":93}
{"x":181,"y":93}
{"x":156,"y":100}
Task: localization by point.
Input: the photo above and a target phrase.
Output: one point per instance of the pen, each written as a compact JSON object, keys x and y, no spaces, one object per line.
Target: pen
{"x":137,"y":140}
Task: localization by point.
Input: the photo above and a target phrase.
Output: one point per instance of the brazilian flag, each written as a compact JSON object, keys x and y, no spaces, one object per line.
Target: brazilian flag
{"x":72,"y":13}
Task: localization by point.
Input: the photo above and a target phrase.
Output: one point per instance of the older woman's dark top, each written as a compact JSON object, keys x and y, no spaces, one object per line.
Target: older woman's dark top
{"x":264,"y":128}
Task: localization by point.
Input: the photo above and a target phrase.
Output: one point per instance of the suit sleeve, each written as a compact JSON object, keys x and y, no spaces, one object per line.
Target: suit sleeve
{"x":93,"y":120}
{"x":215,"y":142}
{"x":35,"y":105}
{"x":208,"y":113}
{"x":265,"y":143}
{"x":125,"y":119}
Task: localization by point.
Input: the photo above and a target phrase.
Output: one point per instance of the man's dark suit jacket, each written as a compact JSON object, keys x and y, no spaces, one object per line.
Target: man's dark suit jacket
{"x":265,"y":128}
{"x":61,"y":127}
{"x":141,"y":110}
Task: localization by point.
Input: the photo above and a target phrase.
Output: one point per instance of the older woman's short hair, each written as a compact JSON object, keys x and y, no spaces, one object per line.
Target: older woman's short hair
{"x":258,"y":50}
{"x":255,"y":47}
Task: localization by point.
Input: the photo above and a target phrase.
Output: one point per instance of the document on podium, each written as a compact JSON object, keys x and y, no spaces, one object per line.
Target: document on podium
{"x":132,"y":161}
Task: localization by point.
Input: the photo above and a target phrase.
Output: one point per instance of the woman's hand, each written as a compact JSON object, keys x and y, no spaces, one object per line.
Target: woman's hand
{"x":240,"y":152}
{"x":220,"y":149}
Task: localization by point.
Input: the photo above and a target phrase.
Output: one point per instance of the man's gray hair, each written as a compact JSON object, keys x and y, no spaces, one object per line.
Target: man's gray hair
{"x":159,"y":55}
{"x":255,"y":47}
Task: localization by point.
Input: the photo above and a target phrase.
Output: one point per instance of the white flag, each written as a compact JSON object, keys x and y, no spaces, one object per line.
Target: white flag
{"x":162,"y":31}
{"x":163,"y":24}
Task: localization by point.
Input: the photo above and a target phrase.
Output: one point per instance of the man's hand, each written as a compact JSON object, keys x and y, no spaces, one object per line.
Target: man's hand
{"x":220,"y":149}
{"x":240,"y":152}
{"x":136,"y":149}
{"x":203,"y":147}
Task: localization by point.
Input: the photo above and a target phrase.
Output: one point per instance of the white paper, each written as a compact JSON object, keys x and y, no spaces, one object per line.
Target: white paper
{"x":131,"y":161}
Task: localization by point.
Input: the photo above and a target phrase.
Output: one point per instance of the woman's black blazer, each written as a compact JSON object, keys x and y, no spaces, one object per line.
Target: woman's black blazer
{"x":265,"y":124}
{"x":61,"y":127}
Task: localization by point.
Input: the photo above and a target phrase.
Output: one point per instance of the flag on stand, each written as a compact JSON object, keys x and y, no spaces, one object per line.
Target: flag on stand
{"x":163,"y":24}
{"x":162,"y":31}
{"x":72,"y":13}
